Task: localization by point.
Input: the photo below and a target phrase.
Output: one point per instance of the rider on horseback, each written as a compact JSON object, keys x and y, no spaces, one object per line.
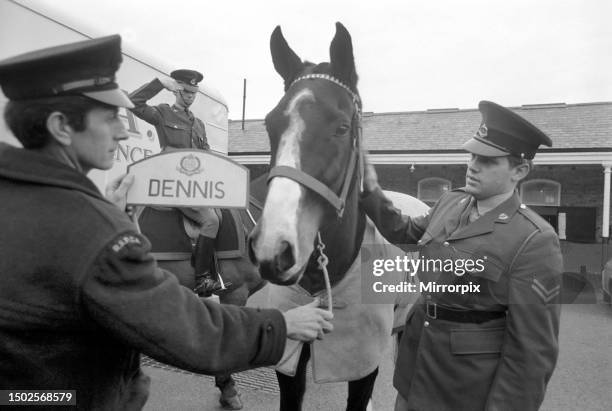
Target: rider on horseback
{"x":178,"y":127}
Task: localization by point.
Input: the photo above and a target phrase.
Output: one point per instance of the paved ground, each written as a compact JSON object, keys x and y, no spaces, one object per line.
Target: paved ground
{"x":582,"y":380}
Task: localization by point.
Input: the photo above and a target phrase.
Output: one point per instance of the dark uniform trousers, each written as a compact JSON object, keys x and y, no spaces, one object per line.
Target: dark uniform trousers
{"x":495,"y":347}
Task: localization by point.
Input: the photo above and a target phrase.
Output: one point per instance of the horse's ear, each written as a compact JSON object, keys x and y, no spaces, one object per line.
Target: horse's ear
{"x":341,"y":57}
{"x":286,"y":62}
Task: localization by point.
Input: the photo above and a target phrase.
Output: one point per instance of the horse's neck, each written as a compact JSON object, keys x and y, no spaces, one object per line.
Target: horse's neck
{"x":342,"y":239}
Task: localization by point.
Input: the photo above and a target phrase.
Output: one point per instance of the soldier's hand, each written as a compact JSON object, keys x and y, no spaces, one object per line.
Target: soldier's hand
{"x":370,"y":177}
{"x":116,"y":190}
{"x":308,"y":322}
{"x":170,"y":84}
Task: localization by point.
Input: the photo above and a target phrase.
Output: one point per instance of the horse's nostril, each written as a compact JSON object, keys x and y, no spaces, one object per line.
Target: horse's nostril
{"x":251,"y":240}
{"x":266,"y":270}
{"x":285,"y":259}
{"x":250,"y":250}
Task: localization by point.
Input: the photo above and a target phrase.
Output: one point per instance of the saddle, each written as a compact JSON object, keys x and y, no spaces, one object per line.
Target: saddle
{"x":165,"y":229}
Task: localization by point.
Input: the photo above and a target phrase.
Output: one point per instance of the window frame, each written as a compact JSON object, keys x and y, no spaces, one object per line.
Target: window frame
{"x":431,"y":179}
{"x":525,"y":186}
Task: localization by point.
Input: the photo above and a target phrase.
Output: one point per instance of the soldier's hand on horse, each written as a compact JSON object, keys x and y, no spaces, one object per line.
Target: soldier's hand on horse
{"x":370,"y":178}
{"x":170,"y":84}
{"x":308,"y":322}
{"x":116,"y":190}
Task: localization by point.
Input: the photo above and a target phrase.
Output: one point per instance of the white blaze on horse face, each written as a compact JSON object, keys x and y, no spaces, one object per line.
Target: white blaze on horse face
{"x":281,"y":216}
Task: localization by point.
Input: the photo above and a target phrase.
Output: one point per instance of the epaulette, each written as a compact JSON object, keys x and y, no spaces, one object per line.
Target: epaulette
{"x":534,"y":218}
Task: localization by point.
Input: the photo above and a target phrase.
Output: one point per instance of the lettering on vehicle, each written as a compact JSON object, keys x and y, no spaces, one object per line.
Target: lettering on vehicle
{"x":129,"y":121}
{"x":131,"y":154}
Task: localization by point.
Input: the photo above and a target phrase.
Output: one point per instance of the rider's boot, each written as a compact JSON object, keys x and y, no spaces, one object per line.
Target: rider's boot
{"x":205,"y":267}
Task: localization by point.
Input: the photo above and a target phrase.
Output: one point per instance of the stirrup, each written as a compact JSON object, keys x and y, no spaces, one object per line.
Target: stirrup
{"x":206,"y":286}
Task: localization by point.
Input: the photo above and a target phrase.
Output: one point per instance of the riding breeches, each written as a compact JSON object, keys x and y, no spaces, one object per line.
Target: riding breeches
{"x":201,"y":221}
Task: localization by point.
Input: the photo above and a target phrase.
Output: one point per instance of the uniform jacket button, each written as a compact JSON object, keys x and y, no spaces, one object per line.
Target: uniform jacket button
{"x":269,"y":328}
{"x":446,"y":244}
{"x":426,"y":324}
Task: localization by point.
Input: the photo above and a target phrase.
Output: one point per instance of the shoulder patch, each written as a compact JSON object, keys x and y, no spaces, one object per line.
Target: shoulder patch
{"x":125,"y":240}
{"x":547,"y":291}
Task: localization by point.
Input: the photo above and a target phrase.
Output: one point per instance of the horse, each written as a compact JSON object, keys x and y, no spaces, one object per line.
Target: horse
{"x":311,"y":211}
{"x":172,"y":243}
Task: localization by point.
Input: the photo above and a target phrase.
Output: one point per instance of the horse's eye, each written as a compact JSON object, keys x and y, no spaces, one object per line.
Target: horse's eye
{"x":342,"y":130}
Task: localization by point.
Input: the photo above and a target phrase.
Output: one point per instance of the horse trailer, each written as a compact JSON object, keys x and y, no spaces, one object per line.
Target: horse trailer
{"x":26,"y":26}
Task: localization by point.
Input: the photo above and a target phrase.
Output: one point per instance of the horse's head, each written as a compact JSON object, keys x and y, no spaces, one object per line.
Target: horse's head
{"x":314,"y":147}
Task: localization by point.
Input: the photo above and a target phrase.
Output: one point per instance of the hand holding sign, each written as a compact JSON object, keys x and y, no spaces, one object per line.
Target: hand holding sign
{"x":116,"y":190}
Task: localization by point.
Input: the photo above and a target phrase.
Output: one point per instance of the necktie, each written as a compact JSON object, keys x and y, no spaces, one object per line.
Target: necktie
{"x":464,"y":219}
{"x":474,"y":214}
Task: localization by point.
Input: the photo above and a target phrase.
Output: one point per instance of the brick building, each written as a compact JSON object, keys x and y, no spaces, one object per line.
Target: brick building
{"x":419,"y":153}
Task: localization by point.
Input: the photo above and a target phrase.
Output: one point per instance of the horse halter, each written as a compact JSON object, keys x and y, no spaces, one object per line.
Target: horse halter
{"x":338,"y":201}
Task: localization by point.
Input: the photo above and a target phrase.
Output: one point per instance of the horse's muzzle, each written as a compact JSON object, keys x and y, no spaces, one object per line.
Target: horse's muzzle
{"x":274,"y":260}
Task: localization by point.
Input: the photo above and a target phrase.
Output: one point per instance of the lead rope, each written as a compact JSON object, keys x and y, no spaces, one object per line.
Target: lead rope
{"x":323,"y":260}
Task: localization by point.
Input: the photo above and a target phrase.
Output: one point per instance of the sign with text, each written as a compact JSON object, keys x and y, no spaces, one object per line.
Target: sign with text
{"x":189,"y":178}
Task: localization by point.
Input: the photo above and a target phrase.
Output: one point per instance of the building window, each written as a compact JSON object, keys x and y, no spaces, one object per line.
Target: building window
{"x":541,"y":193}
{"x":431,"y":189}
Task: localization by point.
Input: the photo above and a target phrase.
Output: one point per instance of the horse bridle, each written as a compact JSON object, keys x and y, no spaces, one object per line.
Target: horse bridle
{"x":338,"y":201}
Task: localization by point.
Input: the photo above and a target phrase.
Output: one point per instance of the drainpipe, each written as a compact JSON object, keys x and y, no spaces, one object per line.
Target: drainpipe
{"x":605,"y":228}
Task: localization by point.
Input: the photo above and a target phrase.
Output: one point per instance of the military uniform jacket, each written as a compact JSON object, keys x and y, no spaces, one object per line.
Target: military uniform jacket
{"x":501,"y":364}
{"x":175,"y":127}
{"x":81,"y":297}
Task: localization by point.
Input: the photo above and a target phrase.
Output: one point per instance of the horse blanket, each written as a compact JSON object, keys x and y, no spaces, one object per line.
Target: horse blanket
{"x":361,"y":331}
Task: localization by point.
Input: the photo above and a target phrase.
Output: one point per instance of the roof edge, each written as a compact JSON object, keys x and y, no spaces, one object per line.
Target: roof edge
{"x":463,"y":110}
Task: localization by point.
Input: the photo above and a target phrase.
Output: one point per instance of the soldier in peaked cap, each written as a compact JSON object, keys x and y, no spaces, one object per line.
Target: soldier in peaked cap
{"x":178,"y":127}
{"x":505,"y":133}
{"x":85,"y":68}
{"x":80,"y":294}
{"x":493,"y":347}
{"x":188,"y":79}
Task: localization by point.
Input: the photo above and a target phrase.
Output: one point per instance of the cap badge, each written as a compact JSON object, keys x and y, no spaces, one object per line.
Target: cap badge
{"x":192,"y":82}
{"x":482,"y":131}
{"x":503,"y":216}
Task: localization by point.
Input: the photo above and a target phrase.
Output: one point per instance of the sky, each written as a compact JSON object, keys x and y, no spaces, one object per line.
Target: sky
{"x":410,"y":55}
